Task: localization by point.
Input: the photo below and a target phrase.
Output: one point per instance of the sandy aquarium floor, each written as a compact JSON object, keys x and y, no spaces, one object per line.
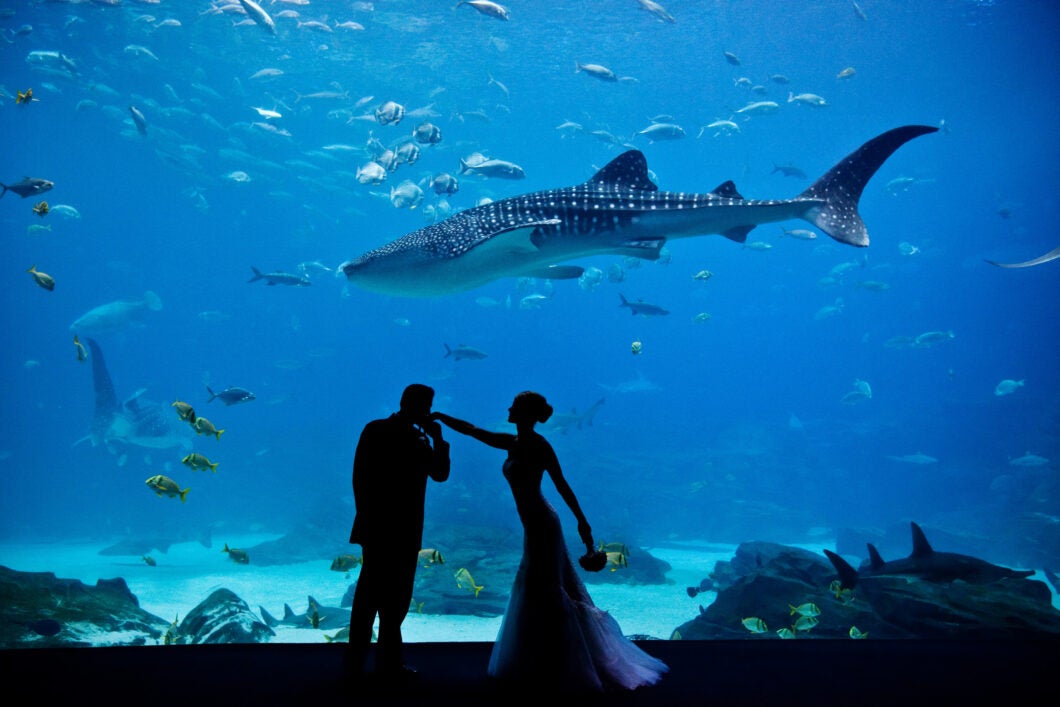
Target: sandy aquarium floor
{"x":189,"y":572}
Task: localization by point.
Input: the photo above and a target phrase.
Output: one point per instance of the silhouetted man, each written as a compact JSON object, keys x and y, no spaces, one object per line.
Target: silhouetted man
{"x":394,"y":458}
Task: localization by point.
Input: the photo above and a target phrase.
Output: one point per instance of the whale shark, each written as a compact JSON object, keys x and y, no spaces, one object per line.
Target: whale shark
{"x":134,"y":422}
{"x":619,"y":211}
{"x":925,"y":563}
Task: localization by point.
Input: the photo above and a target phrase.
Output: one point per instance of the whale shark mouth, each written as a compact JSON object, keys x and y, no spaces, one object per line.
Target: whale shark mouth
{"x":136,"y":422}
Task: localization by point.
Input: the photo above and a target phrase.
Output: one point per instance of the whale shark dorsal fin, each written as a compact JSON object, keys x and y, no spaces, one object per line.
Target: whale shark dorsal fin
{"x":629,"y":171}
{"x":875,"y":559}
{"x":727,"y":190}
{"x":921,"y":546}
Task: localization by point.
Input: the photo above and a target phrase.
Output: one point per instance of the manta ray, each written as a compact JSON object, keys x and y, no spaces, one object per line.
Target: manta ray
{"x":925,"y":564}
{"x":620,"y":211}
{"x":135,"y":422}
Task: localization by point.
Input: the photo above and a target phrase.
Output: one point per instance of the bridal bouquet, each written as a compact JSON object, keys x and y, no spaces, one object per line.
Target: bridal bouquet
{"x":593,"y":560}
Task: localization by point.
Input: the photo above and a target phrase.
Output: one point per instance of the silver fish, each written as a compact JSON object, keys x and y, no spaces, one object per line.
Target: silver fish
{"x":260,"y":17}
{"x":493,"y":168}
{"x":280,"y":278}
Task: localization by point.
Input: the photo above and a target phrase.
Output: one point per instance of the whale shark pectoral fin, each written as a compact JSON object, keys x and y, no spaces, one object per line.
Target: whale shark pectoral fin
{"x":738,"y":233}
{"x":516,"y":239}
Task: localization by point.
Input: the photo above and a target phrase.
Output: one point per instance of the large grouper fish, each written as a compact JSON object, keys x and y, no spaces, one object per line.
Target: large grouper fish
{"x":619,"y":211}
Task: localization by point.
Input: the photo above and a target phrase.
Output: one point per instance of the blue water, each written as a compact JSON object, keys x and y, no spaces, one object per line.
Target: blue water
{"x":729,"y":429}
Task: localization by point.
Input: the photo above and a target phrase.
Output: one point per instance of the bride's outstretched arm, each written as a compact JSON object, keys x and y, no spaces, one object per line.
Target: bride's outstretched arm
{"x":585,"y":531}
{"x":499,"y":440}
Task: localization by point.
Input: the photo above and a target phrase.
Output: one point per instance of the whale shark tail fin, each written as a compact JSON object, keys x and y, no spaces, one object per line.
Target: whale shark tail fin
{"x":840,"y":188}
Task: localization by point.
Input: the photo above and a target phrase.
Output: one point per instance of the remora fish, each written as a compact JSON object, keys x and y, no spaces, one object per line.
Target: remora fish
{"x":619,"y":211}
{"x":926,"y":564}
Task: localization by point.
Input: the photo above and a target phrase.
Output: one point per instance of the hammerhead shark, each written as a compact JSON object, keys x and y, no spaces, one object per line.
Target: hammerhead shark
{"x":316,"y":616}
{"x":925,"y":564}
{"x":620,"y":211}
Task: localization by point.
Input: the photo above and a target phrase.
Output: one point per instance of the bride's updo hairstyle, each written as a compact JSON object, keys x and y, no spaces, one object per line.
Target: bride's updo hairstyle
{"x":535,"y":405}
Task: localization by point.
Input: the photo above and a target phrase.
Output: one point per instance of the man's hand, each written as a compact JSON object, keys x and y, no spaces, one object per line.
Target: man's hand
{"x":433,"y":429}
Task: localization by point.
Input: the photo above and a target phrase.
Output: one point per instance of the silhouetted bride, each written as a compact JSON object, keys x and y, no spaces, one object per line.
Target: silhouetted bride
{"x":552,"y":635}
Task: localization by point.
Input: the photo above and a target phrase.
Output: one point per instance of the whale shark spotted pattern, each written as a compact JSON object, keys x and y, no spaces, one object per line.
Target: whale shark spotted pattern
{"x":620,"y":211}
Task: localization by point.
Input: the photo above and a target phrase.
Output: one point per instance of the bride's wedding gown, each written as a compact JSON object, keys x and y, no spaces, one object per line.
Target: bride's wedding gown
{"x":552,"y":635}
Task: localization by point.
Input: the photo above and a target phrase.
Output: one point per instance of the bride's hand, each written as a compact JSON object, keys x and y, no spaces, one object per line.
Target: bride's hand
{"x":585,"y":531}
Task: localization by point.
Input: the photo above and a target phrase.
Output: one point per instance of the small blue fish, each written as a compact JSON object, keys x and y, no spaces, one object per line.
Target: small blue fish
{"x":231,"y":396}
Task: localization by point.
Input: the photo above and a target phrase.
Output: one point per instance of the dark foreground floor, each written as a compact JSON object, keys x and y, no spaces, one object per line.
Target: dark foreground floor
{"x":748,"y":672}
